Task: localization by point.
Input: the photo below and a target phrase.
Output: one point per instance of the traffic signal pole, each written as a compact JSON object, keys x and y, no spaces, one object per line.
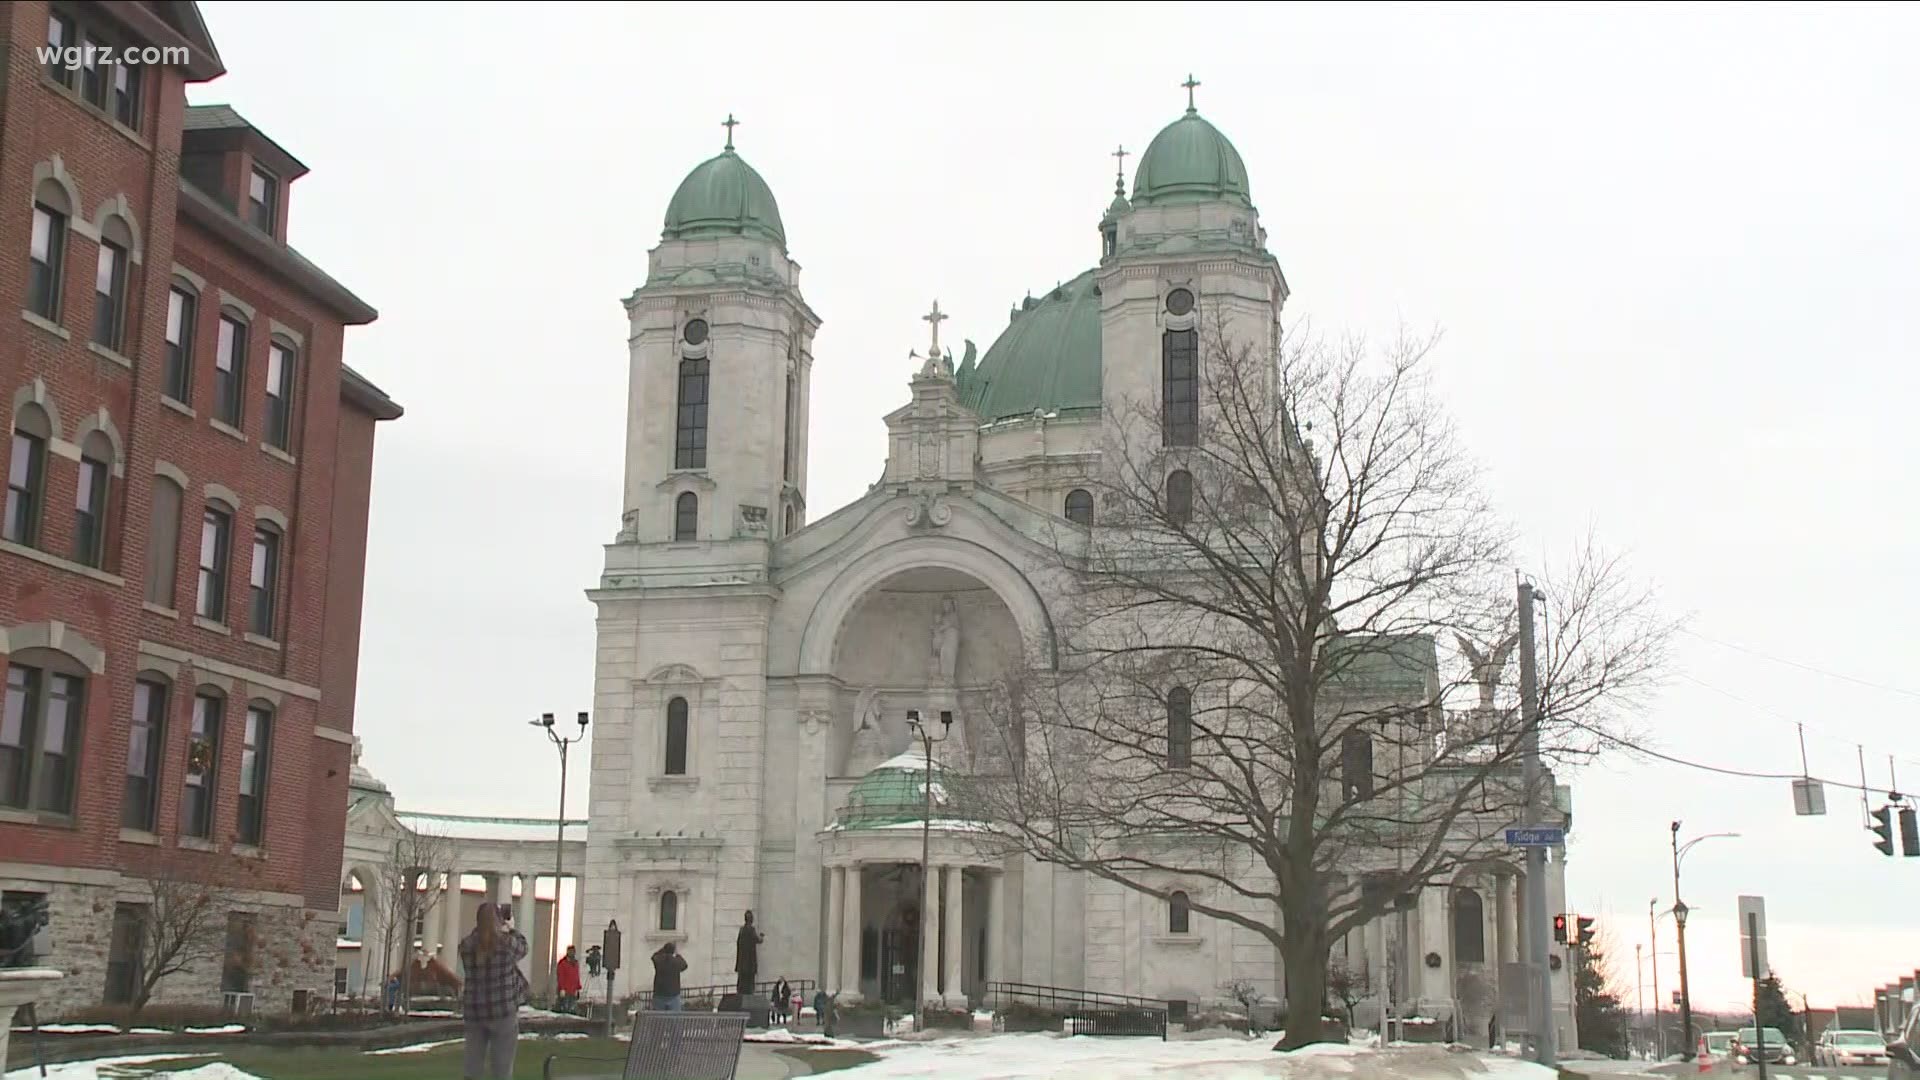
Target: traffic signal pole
{"x":1540,"y":1018}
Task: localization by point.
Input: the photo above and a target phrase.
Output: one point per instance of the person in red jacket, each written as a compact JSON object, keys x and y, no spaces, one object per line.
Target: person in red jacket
{"x":568,"y":980}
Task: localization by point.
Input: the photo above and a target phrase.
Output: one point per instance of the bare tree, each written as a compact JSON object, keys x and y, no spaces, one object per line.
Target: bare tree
{"x":400,"y":899}
{"x":1251,"y":701}
{"x":184,"y":924}
{"x":1347,"y":984}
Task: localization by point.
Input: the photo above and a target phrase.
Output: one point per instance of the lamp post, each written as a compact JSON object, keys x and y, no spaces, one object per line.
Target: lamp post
{"x":1680,"y":922}
{"x":927,"y":920}
{"x":560,"y":837}
{"x":1653,"y":946}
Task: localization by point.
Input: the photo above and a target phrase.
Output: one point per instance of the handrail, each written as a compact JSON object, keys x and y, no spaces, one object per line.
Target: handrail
{"x":1058,"y":994}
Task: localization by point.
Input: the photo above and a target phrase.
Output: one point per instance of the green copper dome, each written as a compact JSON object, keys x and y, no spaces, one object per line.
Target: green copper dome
{"x":1190,"y":161}
{"x":723,"y":196}
{"x":895,"y":793}
{"x":1048,"y":359}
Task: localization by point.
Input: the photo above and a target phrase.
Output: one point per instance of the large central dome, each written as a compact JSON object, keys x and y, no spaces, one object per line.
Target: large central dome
{"x":1048,"y":359}
{"x":723,"y":196}
{"x":1190,"y":161}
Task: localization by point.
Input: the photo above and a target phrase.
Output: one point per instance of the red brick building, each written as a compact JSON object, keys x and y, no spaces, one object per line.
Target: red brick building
{"x":184,"y":539}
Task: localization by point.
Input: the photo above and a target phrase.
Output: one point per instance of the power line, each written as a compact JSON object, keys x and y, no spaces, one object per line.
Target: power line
{"x":1804,"y":667}
{"x":1745,"y":774}
{"x":1820,"y":730}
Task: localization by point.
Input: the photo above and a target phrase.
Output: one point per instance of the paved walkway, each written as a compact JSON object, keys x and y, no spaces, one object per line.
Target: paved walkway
{"x":759,"y":1062}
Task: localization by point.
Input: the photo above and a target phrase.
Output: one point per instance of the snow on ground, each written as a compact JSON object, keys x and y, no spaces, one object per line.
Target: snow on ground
{"x":73,"y":1029}
{"x":108,"y":1068}
{"x":223,"y":1029}
{"x":1034,"y":1057}
{"x":416,"y":1048}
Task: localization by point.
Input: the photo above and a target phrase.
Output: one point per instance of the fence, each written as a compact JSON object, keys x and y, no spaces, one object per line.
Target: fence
{"x":1085,"y":1012}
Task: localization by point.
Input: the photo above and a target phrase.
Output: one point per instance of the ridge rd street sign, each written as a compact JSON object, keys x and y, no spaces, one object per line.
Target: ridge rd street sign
{"x":1753,"y":937}
{"x":1536,"y":836}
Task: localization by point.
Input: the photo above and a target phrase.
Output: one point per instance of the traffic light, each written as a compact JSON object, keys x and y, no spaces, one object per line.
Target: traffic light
{"x":1909,"y":833}
{"x":1882,"y":827}
{"x":1560,"y":929}
{"x":1582,"y":928}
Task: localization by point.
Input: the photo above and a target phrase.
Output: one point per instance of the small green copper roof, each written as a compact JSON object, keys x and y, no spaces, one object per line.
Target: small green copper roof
{"x":895,"y":793}
{"x":723,"y":196}
{"x":1049,"y":359}
{"x":1190,"y":161}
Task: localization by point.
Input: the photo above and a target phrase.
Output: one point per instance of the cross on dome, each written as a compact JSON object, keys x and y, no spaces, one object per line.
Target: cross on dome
{"x":1190,"y":84}
{"x":935,"y":318}
{"x":1120,"y":156}
{"x":730,"y":123}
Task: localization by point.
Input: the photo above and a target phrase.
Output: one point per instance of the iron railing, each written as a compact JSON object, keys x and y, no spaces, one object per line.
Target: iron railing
{"x":1088,"y":1012}
{"x":707,"y":998}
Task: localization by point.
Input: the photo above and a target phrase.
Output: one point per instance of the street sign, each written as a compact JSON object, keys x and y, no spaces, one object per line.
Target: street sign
{"x":1676,"y":999}
{"x":1809,"y":798}
{"x":1753,"y":937}
{"x":1537,"y":836}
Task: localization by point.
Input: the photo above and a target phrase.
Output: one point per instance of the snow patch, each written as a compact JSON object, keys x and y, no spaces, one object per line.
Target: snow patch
{"x":1044,"y":1056}
{"x":93,"y":1070}
{"x":74,"y":1029}
{"x":415,"y":1048}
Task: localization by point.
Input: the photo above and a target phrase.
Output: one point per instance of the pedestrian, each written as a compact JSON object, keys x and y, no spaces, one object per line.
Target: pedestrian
{"x":566,"y":979}
{"x":490,"y":956}
{"x":746,"y":955}
{"x":781,"y":991}
{"x":823,"y":1013}
{"x":667,"y":966}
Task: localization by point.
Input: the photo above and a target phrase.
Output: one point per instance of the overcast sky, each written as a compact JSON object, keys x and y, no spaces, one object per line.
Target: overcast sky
{"x":1673,"y":253}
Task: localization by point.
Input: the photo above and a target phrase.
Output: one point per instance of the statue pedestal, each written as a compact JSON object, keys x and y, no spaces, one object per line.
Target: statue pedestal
{"x":18,"y":986}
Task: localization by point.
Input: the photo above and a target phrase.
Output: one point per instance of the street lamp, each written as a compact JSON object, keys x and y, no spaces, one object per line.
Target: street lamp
{"x":927,"y":920}
{"x":560,"y":839}
{"x":1680,"y":921}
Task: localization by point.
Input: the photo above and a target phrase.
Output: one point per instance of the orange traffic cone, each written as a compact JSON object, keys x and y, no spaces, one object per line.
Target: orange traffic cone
{"x":1706,"y":1059}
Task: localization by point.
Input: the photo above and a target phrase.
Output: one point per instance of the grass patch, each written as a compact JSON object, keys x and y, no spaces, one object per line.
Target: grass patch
{"x":340,"y":1063}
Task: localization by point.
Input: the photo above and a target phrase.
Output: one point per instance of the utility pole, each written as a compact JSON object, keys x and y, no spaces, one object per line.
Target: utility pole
{"x":1653,"y":951}
{"x":1538,"y":941}
{"x":1639,"y":991}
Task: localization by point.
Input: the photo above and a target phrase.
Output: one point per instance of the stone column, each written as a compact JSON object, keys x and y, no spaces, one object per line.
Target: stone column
{"x":452,"y":926}
{"x":523,"y":921}
{"x":930,"y":937}
{"x":500,"y":888}
{"x":996,"y":927}
{"x":1508,"y":891}
{"x":951,"y":923}
{"x":831,"y":979}
{"x":850,"y":935}
{"x":579,"y":917}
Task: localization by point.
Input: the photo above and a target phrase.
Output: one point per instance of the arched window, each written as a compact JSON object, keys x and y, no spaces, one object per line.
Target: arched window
{"x":1080,"y":507}
{"x":110,"y":284}
{"x":1469,"y":927}
{"x":686,"y":516}
{"x":280,"y":382}
{"x":163,"y":541}
{"x":182,"y":305}
{"x":1180,"y":387}
{"x":216,"y":542}
{"x":40,"y":734}
{"x":1179,"y":728}
{"x":690,"y":424}
{"x":786,"y":524}
{"x":202,"y":770}
{"x":230,"y":370}
{"x":146,"y":738}
{"x":255,"y":746}
{"x":676,"y":763}
{"x":1180,"y":496}
{"x":263,"y":579}
{"x":47,"y":250}
{"x":792,"y":451}
{"x":1179,"y":914}
{"x":670,"y":911}
{"x":90,"y":500}
{"x":27,"y":475}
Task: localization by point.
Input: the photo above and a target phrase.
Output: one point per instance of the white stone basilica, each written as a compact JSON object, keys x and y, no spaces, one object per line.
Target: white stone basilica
{"x":757,"y":662}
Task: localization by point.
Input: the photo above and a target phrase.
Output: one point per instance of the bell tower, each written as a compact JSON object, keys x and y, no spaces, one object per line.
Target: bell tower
{"x":721,"y":354}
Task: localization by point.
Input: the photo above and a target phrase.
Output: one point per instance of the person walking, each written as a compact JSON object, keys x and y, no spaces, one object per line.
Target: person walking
{"x":781,"y":991}
{"x":490,"y":956}
{"x":667,"y":966}
{"x":567,"y":979}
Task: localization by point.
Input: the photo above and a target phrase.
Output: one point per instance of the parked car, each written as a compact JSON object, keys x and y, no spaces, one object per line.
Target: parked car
{"x":1903,"y":1053}
{"x":1774,"y":1048}
{"x":1839,"y":1048}
{"x":1719,"y":1043}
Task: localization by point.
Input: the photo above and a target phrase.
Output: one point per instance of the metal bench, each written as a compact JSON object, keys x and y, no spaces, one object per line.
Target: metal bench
{"x":670,"y":1046}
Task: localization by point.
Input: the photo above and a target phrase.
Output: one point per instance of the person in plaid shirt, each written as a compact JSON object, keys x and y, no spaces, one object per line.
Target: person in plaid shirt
{"x":491,"y":996}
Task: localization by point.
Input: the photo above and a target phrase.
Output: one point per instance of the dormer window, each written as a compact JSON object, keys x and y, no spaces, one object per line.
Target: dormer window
{"x":263,"y":192}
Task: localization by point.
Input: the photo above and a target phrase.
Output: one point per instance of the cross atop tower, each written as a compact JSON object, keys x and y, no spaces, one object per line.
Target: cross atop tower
{"x":730,"y":123}
{"x":935,"y":318}
{"x":1120,"y":155}
{"x":1190,"y":84}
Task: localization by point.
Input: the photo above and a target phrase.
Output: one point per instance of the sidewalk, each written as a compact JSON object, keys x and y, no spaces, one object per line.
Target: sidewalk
{"x":759,"y":1062}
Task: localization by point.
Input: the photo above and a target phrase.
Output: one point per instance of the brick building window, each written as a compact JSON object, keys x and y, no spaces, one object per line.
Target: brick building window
{"x":93,"y":76}
{"x":262,"y":579}
{"x":229,"y":371}
{"x":216,"y":533}
{"x":40,"y":732}
{"x":47,"y":249}
{"x":200,"y":786}
{"x":90,"y":501}
{"x":255,"y":744}
{"x":676,"y":756}
{"x":110,"y":285}
{"x":146,"y":736}
{"x":177,"y":380}
{"x":686,"y":516}
{"x":126,"y":95}
{"x":27,"y":475}
{"x":1180,"y":387}
{"x":280,"y":368}
{"x":690,"y":424}
{"x":263,"y":196}
{"x":163,"y":541}
{"x":126,"y":950}
{"x":61,"y":36}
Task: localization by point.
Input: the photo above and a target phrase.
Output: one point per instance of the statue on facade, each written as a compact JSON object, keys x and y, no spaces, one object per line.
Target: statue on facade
{"x":946,"y":641}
